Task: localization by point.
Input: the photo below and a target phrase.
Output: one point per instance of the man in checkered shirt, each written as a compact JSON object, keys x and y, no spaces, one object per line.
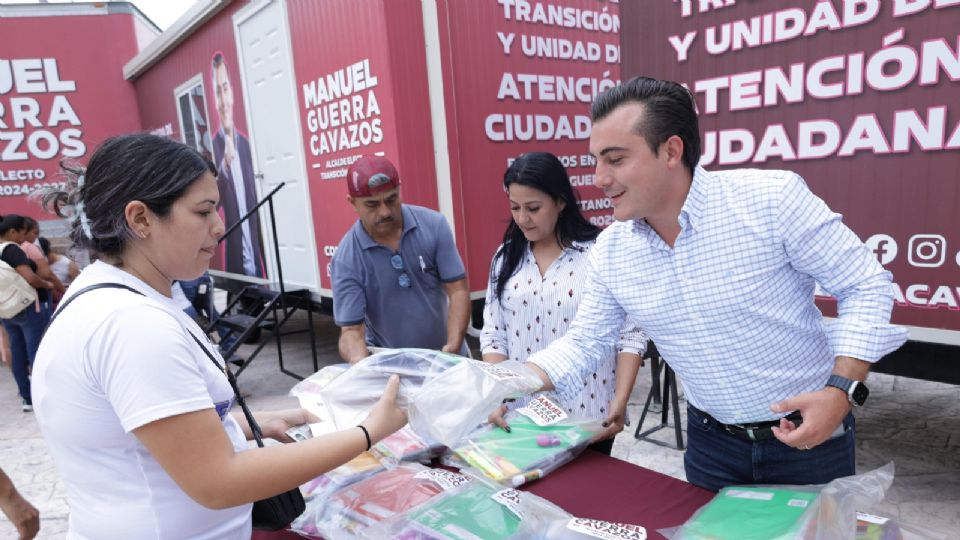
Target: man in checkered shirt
{"x":719,"y":269}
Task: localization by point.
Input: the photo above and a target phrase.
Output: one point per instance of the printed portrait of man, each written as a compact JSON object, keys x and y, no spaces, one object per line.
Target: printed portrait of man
{"x":243,"y":252}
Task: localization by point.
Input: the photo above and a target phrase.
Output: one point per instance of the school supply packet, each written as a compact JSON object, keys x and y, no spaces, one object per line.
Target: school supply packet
{"x":814,"y":512}
{"x":317,"y":491}
{"x":350,"y":396}
{"x":874,"y":527}
{"x":481,"y":509}
{"x":451,"y":405}
{"x":352,"y":509}
{"x":405,"y":445}
{"x":541,"y":439}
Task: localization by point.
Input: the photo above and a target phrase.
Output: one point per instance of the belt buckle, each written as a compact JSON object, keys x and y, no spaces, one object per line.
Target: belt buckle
{"x":748,"y":429}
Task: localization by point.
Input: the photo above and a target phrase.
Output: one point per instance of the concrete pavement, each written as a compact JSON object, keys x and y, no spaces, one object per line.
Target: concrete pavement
{"x":914,"y":423}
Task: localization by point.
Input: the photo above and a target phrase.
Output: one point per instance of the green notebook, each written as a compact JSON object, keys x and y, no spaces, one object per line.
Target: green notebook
{"x":468,"y":515}
{"x":501,"y":455}
{"x":747,"y":513}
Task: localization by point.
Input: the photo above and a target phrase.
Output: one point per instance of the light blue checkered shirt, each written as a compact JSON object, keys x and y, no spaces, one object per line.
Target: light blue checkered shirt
{"x":730,"y":306}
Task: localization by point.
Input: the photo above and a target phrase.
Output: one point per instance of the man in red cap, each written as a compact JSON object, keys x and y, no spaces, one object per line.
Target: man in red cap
{"x":398,"y":280}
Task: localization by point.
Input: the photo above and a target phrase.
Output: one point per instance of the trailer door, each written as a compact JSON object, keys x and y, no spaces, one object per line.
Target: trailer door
{"x":266,"y":60}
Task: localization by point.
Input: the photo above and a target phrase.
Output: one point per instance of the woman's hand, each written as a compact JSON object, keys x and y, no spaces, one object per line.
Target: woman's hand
{"x":497,"y":418}
{"x":275,"y":424}
{"x":616,"y":418}
{"x":386,"y":417}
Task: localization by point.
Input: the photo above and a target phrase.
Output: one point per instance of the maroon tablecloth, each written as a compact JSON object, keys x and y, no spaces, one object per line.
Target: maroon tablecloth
{"x":600,"y":487}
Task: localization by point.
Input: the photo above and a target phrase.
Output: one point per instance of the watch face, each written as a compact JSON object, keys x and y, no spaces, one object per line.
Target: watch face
{"x":860,"y":393}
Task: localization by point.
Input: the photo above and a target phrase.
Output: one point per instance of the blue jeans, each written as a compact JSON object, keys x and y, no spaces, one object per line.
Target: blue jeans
{"x":25,"y":330}
{"x":715,"y":459}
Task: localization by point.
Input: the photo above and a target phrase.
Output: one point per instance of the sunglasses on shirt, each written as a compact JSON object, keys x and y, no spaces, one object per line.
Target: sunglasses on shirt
{"x":396,"y":261}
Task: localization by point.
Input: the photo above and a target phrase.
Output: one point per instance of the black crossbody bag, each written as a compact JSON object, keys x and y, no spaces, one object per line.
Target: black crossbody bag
{"x":270,"y":514}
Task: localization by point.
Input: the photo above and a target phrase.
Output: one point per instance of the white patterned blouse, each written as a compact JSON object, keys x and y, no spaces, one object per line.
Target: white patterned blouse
{"x":535,"y":310}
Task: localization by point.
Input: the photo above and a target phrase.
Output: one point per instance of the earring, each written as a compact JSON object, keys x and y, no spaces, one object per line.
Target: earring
{"x":143,"y":235}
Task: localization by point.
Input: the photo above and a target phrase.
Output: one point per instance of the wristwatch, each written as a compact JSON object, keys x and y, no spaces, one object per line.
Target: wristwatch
{"x":856,"y":391}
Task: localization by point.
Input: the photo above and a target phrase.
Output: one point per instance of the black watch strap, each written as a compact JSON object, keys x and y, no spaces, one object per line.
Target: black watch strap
{"x":856,"y":391}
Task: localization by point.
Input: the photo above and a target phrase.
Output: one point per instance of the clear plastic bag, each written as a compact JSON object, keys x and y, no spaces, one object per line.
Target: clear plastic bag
{"x":480,"y":509}
{"x":316,"y":492}
{"x":308,"y":390}
{"x":406,"y":445}
{"x":350,"y":510}
{"x":451,"y":405}
{"x":871,"y":527}
{"x":350,"y":396}
{"x":529,"y":451}
{"x":473,"y":510}
{"x":815,"y":512}
{"x":543,"y":520}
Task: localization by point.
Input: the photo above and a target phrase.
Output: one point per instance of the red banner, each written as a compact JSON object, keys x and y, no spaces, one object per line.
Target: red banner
{"x":857,"y":96}
{"x":521,"y":76}
{"x":365,"y":94}
{"x":59,"y":100}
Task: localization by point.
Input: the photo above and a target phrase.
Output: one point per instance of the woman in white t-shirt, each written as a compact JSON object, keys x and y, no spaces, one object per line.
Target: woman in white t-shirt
{"x":136,"y":415}
{"x":536,"y":282}
{"x":62,"y":266}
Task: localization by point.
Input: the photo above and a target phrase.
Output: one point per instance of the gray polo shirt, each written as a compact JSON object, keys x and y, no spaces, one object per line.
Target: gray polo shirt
{"x":367,"y":288}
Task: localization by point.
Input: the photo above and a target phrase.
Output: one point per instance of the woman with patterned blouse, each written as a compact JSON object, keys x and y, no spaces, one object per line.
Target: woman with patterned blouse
{"x":536,"y":282}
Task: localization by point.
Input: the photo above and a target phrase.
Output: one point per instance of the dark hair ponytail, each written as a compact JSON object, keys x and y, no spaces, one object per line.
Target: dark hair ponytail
{"x":136,"y":167}
{"x":544,"y":172}
{"x":12,"y":222}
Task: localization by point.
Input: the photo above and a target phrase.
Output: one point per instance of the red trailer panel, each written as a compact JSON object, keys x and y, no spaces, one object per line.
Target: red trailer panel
{"x":858,"y":96}
{"x":61,"y":92}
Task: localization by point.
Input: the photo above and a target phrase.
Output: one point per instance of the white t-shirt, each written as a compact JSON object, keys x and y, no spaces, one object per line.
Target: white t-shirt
{"x":61,"y":269}
{"x":114,"y":361}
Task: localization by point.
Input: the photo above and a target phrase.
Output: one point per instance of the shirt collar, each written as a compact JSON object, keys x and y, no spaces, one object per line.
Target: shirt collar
{"x":692,"y":211}
{"x":409,"y":223}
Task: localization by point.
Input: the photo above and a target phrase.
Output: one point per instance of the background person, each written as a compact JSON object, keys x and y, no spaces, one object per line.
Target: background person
{"x":135,"y":414}
{"x":18,"y":510}
{"x":31,"y":246}
{"x":62,"y":266}
{"x":719,"y":269}
{"x":536,"y":282}
{"x":24,"y":329}
{"x":398,"y":280}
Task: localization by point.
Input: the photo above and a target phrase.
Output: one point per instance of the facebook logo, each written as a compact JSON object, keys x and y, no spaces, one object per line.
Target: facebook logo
{"x":883,"y":246}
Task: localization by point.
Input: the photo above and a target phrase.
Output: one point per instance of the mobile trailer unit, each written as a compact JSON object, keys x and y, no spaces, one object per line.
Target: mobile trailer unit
{"x":450,"y":90}
{"x":860,"y":97}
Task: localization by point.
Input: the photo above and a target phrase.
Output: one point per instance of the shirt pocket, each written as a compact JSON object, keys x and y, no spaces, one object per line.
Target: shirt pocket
{"x":428,"y":271}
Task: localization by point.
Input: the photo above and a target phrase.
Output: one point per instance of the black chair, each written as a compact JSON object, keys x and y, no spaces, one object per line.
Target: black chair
{"x":669,"y":393}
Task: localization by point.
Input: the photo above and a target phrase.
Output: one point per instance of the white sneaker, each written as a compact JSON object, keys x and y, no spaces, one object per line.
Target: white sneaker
{"x":27,"y":405}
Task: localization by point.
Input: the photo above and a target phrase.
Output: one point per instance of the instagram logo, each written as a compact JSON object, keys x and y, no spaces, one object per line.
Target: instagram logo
{"x":927,"y":250}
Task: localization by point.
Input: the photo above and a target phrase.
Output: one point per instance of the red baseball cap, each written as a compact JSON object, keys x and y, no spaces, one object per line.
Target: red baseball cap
{"x":370,"y":175}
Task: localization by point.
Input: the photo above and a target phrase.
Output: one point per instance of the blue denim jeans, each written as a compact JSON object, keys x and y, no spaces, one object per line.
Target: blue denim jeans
{"x":25,"y":330}
{"x":715,"y":459}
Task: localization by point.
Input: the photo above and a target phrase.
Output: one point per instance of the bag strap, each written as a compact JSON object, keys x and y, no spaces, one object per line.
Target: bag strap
{"x":84,"y":290}
{"x":254,"y":427}
{"x":225,"y":369}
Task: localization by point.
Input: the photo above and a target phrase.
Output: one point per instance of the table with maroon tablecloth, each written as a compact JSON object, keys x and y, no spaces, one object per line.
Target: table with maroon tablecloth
{"x":600,"y":487}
